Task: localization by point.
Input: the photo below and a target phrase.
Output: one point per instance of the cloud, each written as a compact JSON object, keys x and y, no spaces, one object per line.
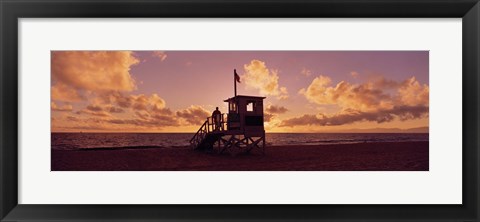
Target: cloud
{"x":140,"y":120}
{"x":64,"y":108}
{"x":146,"y":112}
{"x":122,"y":100}
{"x":413,"y":93}
{"x":194,"y":114}
{"x":139,"y":102}
{"x":100,"y":108}
{"x":94,"y":108}
{"x":72,"y":118}
{"x":378,"y":100}
{"x":76,"y":73}
{"x":153,"y":122}
{"x":366,"y":97}
{"x":267,"y":117}
{"x":148,"y":118}
{"x":156,"y":102}
{"x":271,"y":113}
{"x":306,"y":72}
{"x":113,"y":109}
{"x":160,"y":54}
{"x":258,"y":76}
{"x":276,"y":109}
{"x":62,"y":92}
{"x":136,"y":102}
{"x":354,"y":74}
{"x":93,"y":113}
{"x":350,"y":116}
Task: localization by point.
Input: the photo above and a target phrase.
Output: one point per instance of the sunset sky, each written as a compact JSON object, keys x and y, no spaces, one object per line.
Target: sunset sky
{"x":174,"y":91}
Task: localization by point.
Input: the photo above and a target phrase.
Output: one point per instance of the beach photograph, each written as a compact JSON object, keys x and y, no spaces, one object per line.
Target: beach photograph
{"x":171,"y":110}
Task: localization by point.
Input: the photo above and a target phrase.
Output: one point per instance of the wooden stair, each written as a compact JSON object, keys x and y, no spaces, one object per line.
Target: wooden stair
{"x":206,"y":136}
{"x":209,"y":135}
{"x":208,"y":142}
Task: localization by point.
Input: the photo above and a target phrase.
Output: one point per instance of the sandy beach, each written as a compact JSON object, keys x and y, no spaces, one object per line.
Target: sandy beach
{"x":388,"y":156}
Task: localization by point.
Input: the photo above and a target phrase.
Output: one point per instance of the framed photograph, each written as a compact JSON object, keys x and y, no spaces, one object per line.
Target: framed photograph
{"x":101,"y":124}
{"x":225,"y":110}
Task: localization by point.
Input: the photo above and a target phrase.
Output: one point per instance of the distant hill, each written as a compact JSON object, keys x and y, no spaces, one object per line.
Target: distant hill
{"x":387,"y":130}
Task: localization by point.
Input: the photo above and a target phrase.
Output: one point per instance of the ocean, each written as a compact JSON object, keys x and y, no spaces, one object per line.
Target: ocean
{"x":73,"y":141}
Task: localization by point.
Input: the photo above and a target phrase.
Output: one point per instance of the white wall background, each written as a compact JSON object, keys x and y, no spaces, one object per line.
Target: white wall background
{"x":441,"y":185}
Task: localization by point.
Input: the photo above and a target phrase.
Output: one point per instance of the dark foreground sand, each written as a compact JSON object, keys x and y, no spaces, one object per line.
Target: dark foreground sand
{"x":398,"y":156}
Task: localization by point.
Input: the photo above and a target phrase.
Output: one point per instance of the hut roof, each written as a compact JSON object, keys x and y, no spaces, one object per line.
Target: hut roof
{"x":244,"y":97}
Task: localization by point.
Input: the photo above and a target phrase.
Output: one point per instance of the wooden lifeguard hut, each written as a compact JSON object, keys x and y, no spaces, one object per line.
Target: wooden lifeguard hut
{"x":241,"y":130}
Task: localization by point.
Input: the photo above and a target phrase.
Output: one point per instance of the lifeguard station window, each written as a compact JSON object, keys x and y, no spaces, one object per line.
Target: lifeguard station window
{"x":232,"y":107}
{"x":250,"y":106}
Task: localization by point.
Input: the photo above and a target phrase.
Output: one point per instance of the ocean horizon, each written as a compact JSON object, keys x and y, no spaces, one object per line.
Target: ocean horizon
{"x":77,"y":141}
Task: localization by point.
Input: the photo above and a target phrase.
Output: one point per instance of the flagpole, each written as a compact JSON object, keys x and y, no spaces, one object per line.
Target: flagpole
{"x":235,"y":82}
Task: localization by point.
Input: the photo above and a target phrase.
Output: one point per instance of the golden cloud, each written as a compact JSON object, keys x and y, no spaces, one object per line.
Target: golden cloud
{"x":154,"y":122}
{"x":194,"y":114}
{"x":413,"y":93}
{"x":101,"y":108}
{"x":267,"y":117}
{"x":156,"y":102}
{"x":141,"y":113}
{"x":94,"y":108}
{"x":62,"y":92}
{"x":276,"y":109}
{"x":271,"y":115}
{"x":113,"y":109}
{"x":367,"y":97}
{"x":379,"y":100}
{"x":258,"y":76}
{"x":77,"y":72}
{"x":147,"y":112}
{"x":349,"y":116}
{"x":102,"y":120}
{"x":66,"y":107}
{"x":94,"y":113}
{"x":72,"y":118}
{"x":136,"y":102}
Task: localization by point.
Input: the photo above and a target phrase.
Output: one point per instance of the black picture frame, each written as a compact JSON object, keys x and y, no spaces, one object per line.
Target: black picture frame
{"x":11,"y":11}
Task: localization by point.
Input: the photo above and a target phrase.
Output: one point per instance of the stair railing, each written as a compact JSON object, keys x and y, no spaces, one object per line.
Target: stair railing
{"x":207,"y":127}
{"x":200,"y":135}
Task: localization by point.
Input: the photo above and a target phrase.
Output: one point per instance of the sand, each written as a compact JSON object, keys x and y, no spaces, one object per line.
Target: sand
{"x":391,"y":156}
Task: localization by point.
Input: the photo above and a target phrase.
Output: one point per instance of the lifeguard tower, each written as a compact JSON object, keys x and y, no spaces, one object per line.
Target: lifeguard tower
{"x":240,"y":130}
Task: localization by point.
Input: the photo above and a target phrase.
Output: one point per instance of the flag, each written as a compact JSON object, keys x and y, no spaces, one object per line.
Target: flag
{"x":237,"y":77}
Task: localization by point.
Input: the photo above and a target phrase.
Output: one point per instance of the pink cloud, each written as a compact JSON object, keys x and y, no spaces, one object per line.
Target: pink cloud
{"x":354,"y":74}
{"x":160,"y":54}
{"x":306,"y":72}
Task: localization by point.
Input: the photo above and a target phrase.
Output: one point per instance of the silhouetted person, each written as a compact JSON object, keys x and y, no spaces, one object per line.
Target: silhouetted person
{"x":216,"y":116}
